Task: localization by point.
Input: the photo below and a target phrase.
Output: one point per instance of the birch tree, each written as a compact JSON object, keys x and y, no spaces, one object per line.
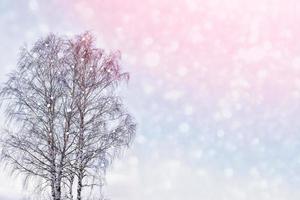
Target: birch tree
{"x":32,"y":98}
{"x":66,"y":120}
{"x":103,"y":125}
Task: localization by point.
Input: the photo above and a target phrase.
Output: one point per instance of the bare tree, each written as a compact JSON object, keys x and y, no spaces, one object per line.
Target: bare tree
{"x":66,"y":119}
{"x":103,"y":124}
{"x":32,"y":95}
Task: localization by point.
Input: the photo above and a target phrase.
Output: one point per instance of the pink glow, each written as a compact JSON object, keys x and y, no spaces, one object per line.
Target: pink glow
{"x":218,"y":43}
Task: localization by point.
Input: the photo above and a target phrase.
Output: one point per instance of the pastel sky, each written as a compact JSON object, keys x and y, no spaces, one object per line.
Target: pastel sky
{"x":215,"y":89}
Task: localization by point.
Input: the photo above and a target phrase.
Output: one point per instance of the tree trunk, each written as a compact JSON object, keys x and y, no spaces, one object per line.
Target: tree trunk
{"x":71,"y":187}
{"x":53,"y":177}
{"x":58,"y":187}
{"x":80,"y":152}
{"x":53,"y":194}
{"x":79,"y":184}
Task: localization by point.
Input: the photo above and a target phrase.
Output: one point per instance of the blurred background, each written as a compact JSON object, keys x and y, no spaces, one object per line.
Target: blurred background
{"x":215,"y":90}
